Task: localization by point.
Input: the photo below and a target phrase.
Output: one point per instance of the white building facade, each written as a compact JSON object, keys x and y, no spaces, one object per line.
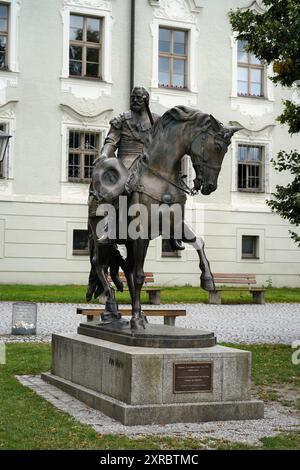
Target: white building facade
{"x":66,"y":67}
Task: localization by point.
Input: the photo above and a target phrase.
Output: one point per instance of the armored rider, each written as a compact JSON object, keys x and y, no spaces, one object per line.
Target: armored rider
{"x":128,"y":134}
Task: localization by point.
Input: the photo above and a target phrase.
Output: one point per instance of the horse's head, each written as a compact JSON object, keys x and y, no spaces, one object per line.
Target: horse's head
{"x":207,"y":152}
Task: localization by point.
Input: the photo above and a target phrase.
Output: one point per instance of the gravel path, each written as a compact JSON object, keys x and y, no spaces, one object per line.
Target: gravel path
{"x":270,"y":323}
{"x":277,"y":419}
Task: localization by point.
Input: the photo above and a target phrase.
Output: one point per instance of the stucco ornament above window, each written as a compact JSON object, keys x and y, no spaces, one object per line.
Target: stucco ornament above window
{"x":183,"y":10}
{"x":257,"y":5}
{"x":101,"y":4}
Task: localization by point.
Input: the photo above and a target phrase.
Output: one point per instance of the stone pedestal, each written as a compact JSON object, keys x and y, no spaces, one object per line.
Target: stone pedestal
{"x":140,"y":385}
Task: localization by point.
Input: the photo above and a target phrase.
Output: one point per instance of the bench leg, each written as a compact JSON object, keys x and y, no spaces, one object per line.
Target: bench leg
{"x":90,"y":318}
{"x":154,"y":297}
{"x":215,"y":297}
{"x":170,"y":321}
{"x":258,"y":297}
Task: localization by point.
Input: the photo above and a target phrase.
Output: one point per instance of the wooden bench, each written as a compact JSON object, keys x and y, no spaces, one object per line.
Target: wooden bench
{"x":258,"y":293}
{"x":153,"y":292}
{"x":168,"y":313}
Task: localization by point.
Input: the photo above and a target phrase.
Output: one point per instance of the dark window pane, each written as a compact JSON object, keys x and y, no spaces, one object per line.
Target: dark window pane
{"x":92,"y":55}
{"x":75,"y":34}
{"x":3,"y":42}
{"x":92,"y":70}
{"x":2,"y":59}
{"x":88,"y":165}
{"x":74,"y":139}
{"x":74,"y":166}
{"x":75,"y":68}
{"x":75,"y":53}
{"x":179,"y":42}
{"x":76,"y":28}
{"x":90,"y":140}
{"x":242,"y":176}
{"x":93,"y":30}
{"x":80,"y":240}
{"x":164,"y":40}
{"x":249,"y":244}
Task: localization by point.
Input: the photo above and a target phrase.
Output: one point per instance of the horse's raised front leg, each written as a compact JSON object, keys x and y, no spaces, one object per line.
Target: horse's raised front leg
{"x":139,"y":250}
{"x":207,"y":279}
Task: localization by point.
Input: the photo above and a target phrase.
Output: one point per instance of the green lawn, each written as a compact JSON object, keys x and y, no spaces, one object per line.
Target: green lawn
{"x":186,"y":294}
{"x":29,"y":422}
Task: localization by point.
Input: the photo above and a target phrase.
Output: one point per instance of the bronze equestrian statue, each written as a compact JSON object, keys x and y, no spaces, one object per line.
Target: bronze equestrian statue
{"x":147,"y":172}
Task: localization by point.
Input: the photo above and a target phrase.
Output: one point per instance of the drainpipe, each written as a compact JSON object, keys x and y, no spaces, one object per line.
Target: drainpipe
{"x":132,"y":45}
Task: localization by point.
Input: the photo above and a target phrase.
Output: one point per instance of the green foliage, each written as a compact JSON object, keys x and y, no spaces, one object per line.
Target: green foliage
{"x":274,"y":37}
{"x":291,"y":116}
{"x":287,"y":198}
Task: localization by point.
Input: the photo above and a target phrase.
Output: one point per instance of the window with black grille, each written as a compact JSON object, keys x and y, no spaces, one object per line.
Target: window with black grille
{"x":83,"y":150}
{"x":250,"y":168}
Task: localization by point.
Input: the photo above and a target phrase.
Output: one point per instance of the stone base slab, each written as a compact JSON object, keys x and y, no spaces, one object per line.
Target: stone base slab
{"x":131,"y":415}
{"x":139,"y":385}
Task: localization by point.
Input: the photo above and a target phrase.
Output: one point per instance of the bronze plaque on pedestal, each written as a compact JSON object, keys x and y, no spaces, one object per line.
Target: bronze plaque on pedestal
{"x":192,"y":377}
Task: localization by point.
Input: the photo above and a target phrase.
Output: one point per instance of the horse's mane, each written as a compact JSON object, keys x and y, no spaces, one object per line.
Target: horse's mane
{"x":181,"y":114}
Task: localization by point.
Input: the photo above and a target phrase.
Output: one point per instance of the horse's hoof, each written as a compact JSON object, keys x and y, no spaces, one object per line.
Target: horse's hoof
{"x":89,"y":293}
{"x":208,"y":283}
{"x":137,"y":323}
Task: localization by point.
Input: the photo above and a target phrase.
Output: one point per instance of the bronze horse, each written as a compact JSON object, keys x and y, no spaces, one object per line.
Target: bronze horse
{"x":180,"y":131}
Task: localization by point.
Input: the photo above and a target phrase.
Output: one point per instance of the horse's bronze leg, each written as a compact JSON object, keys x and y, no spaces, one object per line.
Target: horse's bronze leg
{"x":139,"y":248}
{"x":207,"y":279}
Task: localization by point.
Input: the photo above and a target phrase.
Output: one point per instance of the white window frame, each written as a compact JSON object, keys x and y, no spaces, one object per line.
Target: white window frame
{"x":70,"y":227}
{"x":65,"y":135}
{"x":255,"y":140}
{"x":13,"y":30}
{"x":192,"y":38}
{"x":101,"y":9}
{"x":252,"y":232}
{"x":8,"y":118}
{"x":268,"y":86}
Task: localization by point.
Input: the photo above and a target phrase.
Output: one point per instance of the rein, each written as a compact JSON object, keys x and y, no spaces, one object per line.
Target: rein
{"x":189,"y":191}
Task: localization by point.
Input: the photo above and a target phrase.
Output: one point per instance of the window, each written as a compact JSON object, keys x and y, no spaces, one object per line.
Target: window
{"x":3,"y":163}
{"x":80,"y":242}
{"x":85,"y":46}
{"x":250,"y":73}
{"x":250,"y":168}
{"x":172,"y":68}
{"x":3,"y":35}
{"x":83,"y":149}
{"x":250,"y":246}
{"x":167,"y":250}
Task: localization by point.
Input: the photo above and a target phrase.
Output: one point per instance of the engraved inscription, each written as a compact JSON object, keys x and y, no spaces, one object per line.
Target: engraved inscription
{"x":193,"y":377}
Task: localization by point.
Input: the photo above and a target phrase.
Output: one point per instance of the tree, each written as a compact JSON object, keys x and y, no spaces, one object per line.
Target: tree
{"x":274,"y":37}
